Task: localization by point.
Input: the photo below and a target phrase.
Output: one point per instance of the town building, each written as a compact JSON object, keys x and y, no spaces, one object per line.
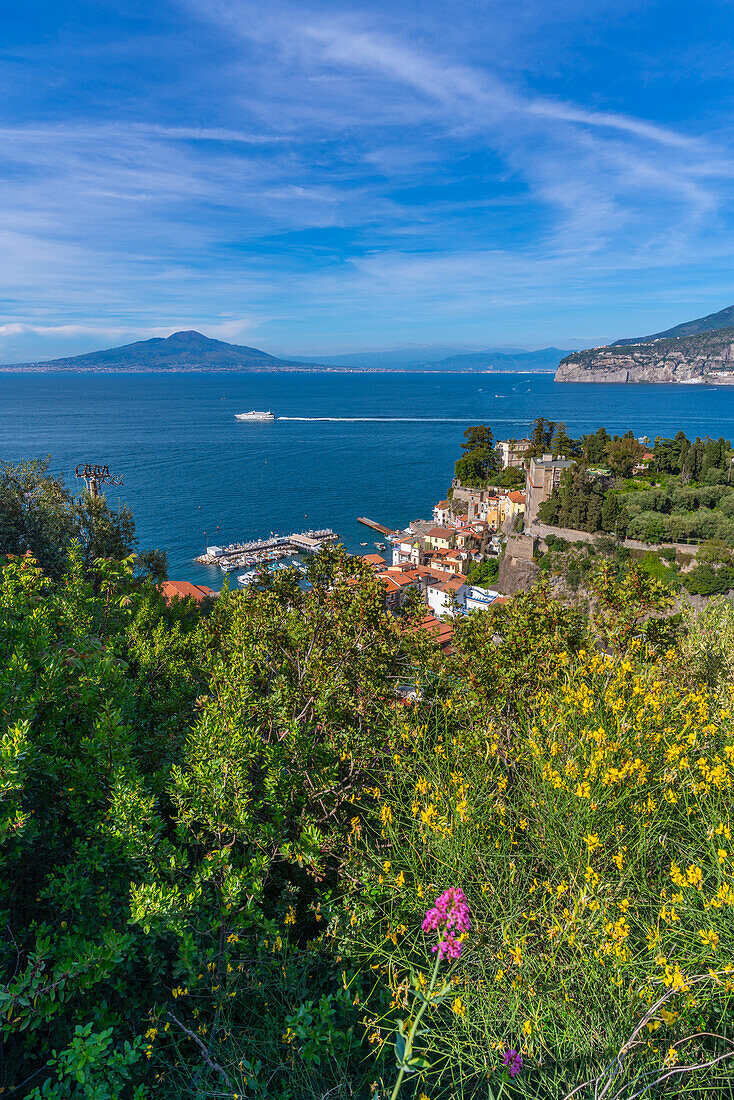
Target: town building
{"x":442,"y":513}
{"x":543,"y":476}
{"x":512,"y":451}
{"x":375,"y":560}
{"x":440,"y":538}
{"x":180,"y":590}
{"x":442,"y":596}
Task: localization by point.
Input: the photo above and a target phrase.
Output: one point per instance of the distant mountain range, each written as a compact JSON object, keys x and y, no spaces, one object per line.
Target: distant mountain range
{"x":191,"y":351}
{"x":695,"y":351}
{"x":449,"y":359}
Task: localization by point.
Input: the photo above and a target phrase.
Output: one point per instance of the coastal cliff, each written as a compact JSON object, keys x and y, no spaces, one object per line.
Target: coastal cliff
{"x":705,"y":357}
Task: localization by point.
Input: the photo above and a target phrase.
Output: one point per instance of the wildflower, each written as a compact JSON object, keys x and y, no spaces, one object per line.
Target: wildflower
{"x":671,"y":1058}
{"x":619,"y":857}
{"x":710,"y":938}
{"x":512,"y":1059}
{"x":458,"y":1007}
{"x":527,"y":1028}
{"x":290,"y":917}
{"x":592,"y":841}
{"x":449,"y":915}
{"x":694,"y":876}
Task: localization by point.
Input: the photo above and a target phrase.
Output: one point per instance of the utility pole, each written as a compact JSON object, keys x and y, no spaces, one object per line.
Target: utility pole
{"x":94,"y":476}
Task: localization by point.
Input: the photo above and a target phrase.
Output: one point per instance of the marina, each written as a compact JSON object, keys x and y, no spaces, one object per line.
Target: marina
{"x":260,"y":552}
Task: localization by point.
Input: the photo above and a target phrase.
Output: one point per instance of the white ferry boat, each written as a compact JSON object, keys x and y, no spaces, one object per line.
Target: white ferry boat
{"x":254,"y":414}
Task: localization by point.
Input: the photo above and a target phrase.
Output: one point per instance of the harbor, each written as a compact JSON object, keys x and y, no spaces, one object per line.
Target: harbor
{"x":241,"y":555}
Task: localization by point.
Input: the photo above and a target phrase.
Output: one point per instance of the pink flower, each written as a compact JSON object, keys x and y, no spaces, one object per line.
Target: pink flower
{"x":513,"y":1060}
{"x":450,"y":915}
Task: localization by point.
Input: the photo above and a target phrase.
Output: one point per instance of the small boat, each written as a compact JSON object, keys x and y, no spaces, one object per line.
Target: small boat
{"x":255,"y":414}
{"x":380,"y":545}
{"x":363,"y":544}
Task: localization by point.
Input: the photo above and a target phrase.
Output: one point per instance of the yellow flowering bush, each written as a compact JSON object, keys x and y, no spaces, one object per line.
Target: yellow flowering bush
{"x":591,"y":834}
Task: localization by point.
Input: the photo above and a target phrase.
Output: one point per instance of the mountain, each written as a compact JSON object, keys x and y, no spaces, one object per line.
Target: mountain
{"x":710,"y":323}
{"x":181,"y":351}
{"x":546,"y":359}
{"x":695,"y":351}
{"x":393,"y":359}
{"x":437,"y":359}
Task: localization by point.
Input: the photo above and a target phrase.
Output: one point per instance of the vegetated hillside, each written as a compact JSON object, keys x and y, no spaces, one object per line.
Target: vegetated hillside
{"x":712,"y":321}
{"x":704,"y":357}
{"x":180,"y":351}
{"x":244,"y":850}
{"x":680,"y":494}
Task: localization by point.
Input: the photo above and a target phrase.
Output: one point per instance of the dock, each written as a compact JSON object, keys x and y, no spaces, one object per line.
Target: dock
{"x":376,"y":526}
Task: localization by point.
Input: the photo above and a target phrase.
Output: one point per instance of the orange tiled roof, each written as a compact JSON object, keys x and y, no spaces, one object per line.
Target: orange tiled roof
{"x":374,"y":559}
{"x":172,"y":590}
{"x":442,"y":633}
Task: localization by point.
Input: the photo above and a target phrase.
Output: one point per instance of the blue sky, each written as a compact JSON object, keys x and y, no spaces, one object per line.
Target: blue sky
{"x":326,"y":177}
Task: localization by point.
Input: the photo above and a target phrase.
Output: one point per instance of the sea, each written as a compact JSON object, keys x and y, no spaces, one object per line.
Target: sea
{"x":343,"y":445}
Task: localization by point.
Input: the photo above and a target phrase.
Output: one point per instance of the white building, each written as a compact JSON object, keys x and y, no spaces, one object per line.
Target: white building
{"x":442,"y":513}
{"x":441,"y":595}
{"x":512,"y":451}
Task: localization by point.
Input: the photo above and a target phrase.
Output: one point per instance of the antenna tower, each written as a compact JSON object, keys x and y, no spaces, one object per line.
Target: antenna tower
{"x":94,"y":476}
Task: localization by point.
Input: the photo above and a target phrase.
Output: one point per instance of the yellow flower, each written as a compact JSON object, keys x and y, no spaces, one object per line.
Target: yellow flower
{"x":527,"y":1028}
{"x":671,"y":1058}
{"x":290,"y":917}
{"x":694,"y":876}
{"x":592,"y":841}
{"x":710,"y":938}
{"x":458,"y":1007}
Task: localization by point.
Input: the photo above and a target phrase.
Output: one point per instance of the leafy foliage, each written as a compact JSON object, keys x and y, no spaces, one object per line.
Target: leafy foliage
{"x":220,"y":832}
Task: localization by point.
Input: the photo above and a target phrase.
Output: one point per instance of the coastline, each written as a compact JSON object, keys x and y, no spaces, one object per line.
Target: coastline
{"x":41,"y":369}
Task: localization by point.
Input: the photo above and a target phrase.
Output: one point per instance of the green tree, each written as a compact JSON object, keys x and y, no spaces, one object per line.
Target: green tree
{"x":477,"y":438}
{"x":479,"y":460}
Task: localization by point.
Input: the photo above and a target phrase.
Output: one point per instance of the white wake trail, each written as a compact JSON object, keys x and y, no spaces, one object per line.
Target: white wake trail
{"x":382,"y":419}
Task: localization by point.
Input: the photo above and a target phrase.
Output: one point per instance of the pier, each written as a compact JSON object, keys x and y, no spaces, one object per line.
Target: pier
{"x":262,"y":551}
{"x":376,"y":526}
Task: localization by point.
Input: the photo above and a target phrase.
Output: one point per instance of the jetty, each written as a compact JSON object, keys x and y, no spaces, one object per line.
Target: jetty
{"x":376,"y":526}
{"x":263,"y":551}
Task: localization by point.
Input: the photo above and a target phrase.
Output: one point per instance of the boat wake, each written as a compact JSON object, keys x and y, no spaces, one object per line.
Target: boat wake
{"x":382,"y":419}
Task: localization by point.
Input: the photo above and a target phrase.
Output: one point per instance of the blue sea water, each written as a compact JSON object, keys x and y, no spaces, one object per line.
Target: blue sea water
{"x":377,"y":445}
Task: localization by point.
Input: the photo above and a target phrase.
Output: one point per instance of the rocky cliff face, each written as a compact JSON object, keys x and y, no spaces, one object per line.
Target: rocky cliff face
{"x":705,"y":357}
